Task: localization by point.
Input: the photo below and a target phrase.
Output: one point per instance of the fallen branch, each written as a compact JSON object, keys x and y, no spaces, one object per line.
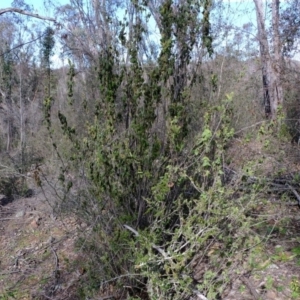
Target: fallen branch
{"x":56,"y":272}
{"x":251,"y":288}
{"x":199,"y":295}
{"x":131,"y":229}
{"x":295,"y":193}
{"x":10,"y":272}
{"x":56,"y":259}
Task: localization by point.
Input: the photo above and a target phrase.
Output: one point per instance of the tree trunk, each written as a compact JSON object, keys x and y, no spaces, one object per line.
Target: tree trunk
{"x":264,"y":56}
{"x":271,"y":66}
{"x":22,"y":122}
{"x":8,"y":140}
{"x":277,"y":60}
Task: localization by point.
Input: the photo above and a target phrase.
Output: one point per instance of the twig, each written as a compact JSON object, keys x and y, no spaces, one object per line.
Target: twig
{"x":199,"y":295}
{"x":161,"y":251}
{"x":44,"y":295}
{"x":157,"y":248}
{"x":295,"y":193}
{"x":245,"y":128}
{"x":131,"y":229}
{"x":107,"y":297}
{"x":121,"y":276}
{"x":26,"y":13}
{"x":56,"y":258}
{"x":252,"y":290}
{"x":8,"y":273}
{"x":56,"y":272}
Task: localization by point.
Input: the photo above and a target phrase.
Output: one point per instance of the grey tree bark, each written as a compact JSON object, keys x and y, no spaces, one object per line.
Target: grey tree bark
{"x":270,"y":63}
{"x":277,"y":60}
{"x":26,"y":13}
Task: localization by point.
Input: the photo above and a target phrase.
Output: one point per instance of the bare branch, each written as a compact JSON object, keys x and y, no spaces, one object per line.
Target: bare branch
{"x":295,"y":193}
{"x":249,"y":285}
{"x":157,"y":248}
{"x":26,"y":13}
{"x":18,"y":46}
{"x":131,"y":229}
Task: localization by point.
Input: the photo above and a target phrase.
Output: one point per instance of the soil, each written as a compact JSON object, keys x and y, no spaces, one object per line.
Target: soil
{"x":37,"y":251}
{"x":38,"y":257}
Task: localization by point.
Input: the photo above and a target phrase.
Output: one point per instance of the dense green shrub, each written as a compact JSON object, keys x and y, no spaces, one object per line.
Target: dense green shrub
{"x":153,"y":190}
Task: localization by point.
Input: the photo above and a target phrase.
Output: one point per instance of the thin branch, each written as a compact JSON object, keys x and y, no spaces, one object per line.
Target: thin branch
{"x":131,"y":229}
{"x":10,"y":272}
{"x":245,"y":128}
{"x":121,"y":276}
{"x":249,"y":285}
{"x":199,"y":295}
{"x":26,"y":13}
{"x":295,"y":193}
{"x":157,"y":248}
{"x":18,"y":46}
{"x":56,"y":259}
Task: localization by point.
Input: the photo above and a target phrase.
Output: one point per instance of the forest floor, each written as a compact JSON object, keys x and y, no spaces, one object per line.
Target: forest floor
{"x":39,"y":258}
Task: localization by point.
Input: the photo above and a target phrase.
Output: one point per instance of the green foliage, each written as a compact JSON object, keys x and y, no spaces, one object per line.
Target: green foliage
{"x":48,"y":101}
{"x":7,"y":295}
{"x":7,"y":73}
{"x":206,"y":36}
{"x":48,"y":43}
{"x":295,"y":287}
{"x":144,"y":169}
{"x":296,"y":252}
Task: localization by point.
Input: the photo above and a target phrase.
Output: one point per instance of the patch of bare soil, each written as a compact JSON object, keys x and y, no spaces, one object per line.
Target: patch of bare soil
{"x":272,"y":272}
{"x":37,"y":256}
{"x":37,"y":251}
{"x":264,"y":156}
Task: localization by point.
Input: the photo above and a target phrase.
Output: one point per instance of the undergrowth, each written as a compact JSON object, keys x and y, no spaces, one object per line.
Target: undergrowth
{"x":166,"y":221}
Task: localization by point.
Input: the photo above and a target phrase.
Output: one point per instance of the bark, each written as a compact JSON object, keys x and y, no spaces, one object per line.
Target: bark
{"x":154,"y":9}
{"x":277,"y":61}
{"x":264,"y":56}
{"x":26,"y":13}
{"x":8,"y":135}
{"x":22,"y":121}
{"x":271,"y":65}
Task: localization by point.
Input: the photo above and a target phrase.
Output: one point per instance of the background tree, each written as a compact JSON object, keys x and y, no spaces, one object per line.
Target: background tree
{"x":271,"y":64}
{"x":138,"y":127}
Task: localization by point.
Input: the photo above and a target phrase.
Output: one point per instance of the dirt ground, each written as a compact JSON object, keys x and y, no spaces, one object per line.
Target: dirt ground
{"x":37,"y":251}
{"x":37,"y":258}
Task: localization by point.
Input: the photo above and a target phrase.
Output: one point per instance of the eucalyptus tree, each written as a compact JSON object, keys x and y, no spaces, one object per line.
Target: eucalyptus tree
{"x":270,"y":57}
{"x":20,"y":87}
{"x":275,"y":42}
{"x":7,"y":37}
{"x":20,"y":81}
{"x":290,"y":27}
{"x":25,"y":13}
{"x":88,"y":28}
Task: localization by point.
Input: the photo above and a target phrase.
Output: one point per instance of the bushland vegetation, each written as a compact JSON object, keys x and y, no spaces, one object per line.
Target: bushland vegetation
{"x":165,"y":139}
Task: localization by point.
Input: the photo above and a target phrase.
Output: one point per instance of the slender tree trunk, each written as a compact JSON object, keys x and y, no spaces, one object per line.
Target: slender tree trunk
{"x":271,"y":66}
{"x":264,"y":56}
{"x":277,"y":61}
{"x":8,"y":135}
{"x":22,"y":123}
